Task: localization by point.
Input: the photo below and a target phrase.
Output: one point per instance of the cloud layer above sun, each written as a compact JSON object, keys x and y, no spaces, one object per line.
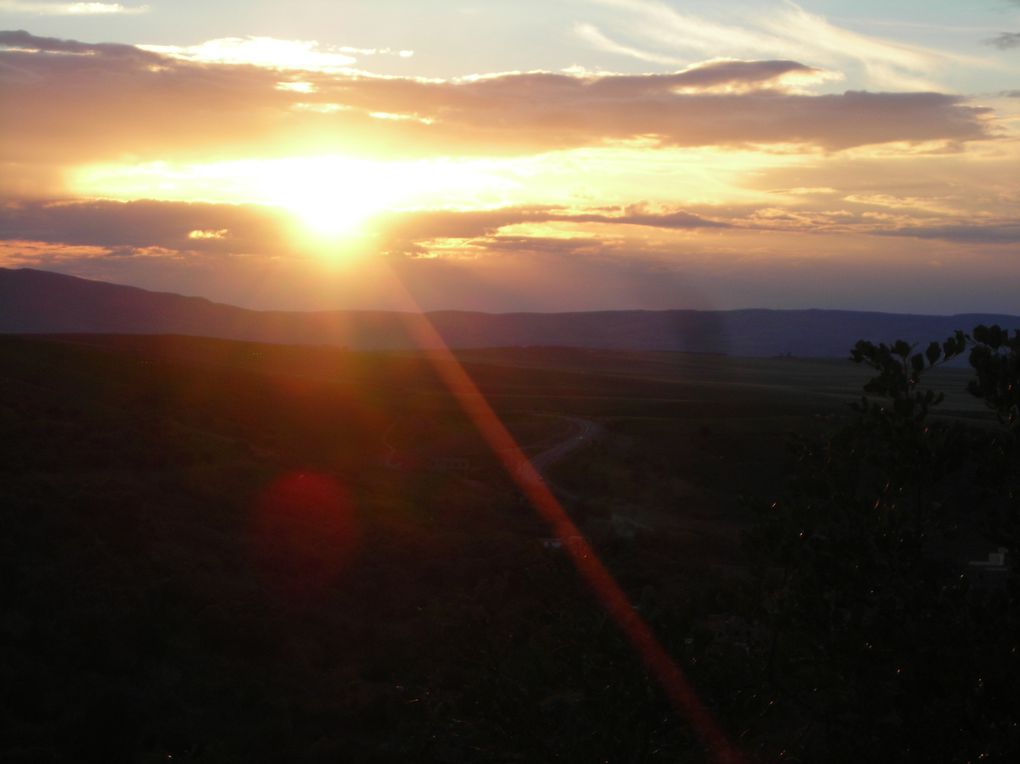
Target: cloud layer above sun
{"x":274,"y":172}
{"x":171,"y":106}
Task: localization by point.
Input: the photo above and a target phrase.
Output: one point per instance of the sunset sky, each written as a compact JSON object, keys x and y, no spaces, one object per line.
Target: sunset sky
{"x":519,"y":155}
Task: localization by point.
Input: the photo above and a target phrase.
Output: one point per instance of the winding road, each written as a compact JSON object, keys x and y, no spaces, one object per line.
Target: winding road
{"x":585,"y":431}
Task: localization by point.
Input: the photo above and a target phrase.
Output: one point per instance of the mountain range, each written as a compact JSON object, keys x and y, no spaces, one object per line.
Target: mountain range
{"x":35,"y":301}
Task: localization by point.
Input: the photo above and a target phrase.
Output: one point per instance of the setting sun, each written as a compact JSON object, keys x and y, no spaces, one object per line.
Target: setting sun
{"x":331,"y":196}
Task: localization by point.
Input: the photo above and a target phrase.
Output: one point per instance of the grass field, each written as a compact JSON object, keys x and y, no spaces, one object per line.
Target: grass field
{"x":225,"y":551}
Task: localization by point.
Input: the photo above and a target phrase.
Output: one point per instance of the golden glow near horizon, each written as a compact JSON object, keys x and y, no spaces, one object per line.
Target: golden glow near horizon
{"x":332,"y":196}
{"x":342,"y":205}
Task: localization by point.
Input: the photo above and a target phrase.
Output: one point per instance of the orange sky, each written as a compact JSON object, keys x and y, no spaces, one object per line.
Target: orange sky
{"x":281,"y":174}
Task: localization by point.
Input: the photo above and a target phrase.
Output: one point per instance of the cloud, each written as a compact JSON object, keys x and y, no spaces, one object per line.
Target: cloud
{"x":269,"y":52}
{"x":143,"y":225}
{"x":598,"y":39}
{"x":410,"y":232}
{"x":641,"y":216}
{"x":78,"y":102}
{"x":1002,"y":233}
{"x":70,"y":9}
{"x":912,"y":205}
{"x":254,"y":229}
{"x":240,"y":255}
{"x":788,"y":31}
{"x":580,"y":273}
{"x":739,"y":76}
{"x":534,"y":258}
{"x":1005,"y":41}
{"x":978,"y":186}
{"x":20,"y":41}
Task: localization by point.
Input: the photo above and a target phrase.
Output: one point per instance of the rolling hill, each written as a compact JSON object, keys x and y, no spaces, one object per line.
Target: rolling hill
{"x":34,"y":301}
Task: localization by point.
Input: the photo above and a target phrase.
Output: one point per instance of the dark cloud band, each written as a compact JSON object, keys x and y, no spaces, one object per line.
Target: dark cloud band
{"x":80,"y":102}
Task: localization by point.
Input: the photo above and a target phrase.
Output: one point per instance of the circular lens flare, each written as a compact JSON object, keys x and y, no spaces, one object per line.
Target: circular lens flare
{"x":306,"y":531}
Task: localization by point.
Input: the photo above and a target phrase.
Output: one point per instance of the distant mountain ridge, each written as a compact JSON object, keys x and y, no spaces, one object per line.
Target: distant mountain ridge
{"x":34,"y":301}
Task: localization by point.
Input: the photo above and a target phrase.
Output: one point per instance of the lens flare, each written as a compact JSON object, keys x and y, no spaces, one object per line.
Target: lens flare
{"x":306,"y":532}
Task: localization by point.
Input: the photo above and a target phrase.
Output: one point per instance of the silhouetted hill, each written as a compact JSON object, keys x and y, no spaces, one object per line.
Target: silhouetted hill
{"x":33,"y":301}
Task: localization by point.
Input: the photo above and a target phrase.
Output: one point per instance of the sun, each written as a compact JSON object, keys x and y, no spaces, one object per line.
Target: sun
{"x":326,"y":211}
{"x":331,"y":197}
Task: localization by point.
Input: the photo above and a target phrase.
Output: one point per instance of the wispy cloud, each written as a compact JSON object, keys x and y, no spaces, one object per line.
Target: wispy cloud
{"x":69,"y":9}
{"x":1005,"y":41}
{"x":274,"y":53}
{"x":790,"y":32}
{"x":269,"y":52}
{"x":598,"y":39}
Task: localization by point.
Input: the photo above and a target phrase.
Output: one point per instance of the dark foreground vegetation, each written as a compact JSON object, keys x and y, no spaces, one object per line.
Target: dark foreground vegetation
{"x":222,"y":551}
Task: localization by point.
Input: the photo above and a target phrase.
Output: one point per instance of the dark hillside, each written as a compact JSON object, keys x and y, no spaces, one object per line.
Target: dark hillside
{"x":227,"y":551}
{"x":41,"y":302}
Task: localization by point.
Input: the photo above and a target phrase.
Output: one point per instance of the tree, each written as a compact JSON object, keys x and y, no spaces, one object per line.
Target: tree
{"x":996,"y":359}
{"x":877,"y":639}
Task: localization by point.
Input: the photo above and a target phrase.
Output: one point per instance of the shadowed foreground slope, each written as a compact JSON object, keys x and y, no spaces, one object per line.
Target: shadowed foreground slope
{"x":229,"y":551}
{"x":206,"y":554}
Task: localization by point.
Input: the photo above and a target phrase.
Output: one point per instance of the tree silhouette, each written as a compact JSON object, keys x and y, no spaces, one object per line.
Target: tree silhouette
{"x":878,"y":640}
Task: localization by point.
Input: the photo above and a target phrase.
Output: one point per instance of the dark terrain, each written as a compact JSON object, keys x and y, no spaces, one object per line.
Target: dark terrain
{"x":205,"y":553}
{"x":221,"y":551}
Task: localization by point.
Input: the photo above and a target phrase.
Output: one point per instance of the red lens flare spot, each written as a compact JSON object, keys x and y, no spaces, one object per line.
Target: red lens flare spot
{"x":306,"y":531}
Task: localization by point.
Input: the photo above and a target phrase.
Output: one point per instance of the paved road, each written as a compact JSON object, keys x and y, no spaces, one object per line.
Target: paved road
{"x":584,"y":432}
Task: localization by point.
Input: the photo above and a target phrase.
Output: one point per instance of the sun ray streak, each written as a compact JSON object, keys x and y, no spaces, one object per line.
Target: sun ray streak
{"x":661,"y":665}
